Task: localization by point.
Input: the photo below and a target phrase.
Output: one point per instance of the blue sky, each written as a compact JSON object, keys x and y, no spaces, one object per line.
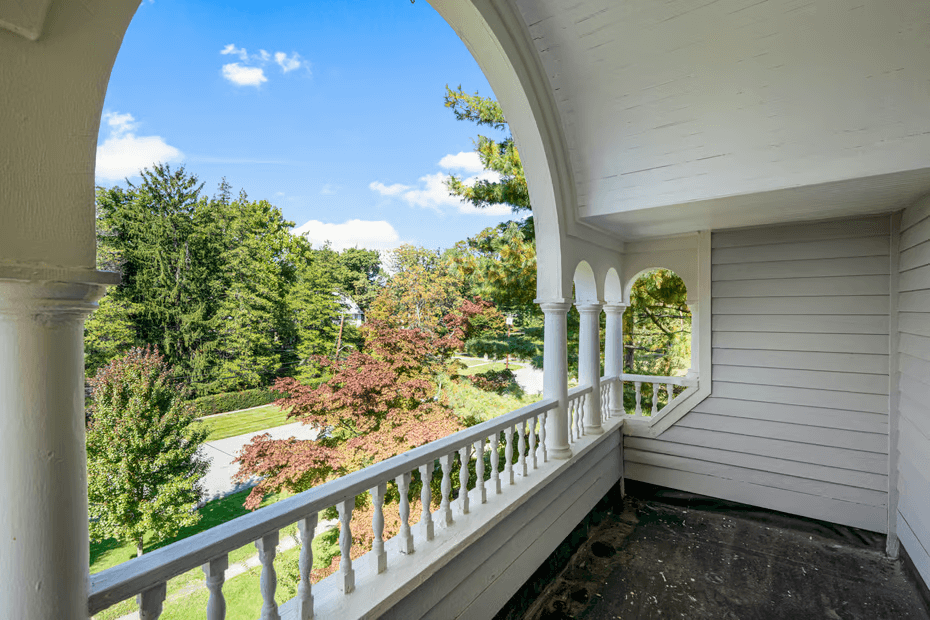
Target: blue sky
{"x":330,"y":110}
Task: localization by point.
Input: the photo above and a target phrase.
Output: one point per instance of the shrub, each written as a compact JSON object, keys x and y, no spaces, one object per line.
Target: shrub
{"x":497,"y":381}
{"x":233,"y":401}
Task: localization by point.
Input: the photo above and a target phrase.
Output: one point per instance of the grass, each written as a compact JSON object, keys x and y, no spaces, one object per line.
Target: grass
{"x":475,"y":406}
{"x":225,"y":425}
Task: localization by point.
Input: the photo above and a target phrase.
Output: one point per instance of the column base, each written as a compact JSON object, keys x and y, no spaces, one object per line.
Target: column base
{"x":593,"y":430}
{"x":559,"y":454}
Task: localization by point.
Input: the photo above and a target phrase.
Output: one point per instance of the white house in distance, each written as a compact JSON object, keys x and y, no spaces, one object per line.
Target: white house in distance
{"x":776,"y":155}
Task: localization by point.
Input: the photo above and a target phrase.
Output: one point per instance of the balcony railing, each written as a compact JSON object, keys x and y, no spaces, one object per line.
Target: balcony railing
{"x":388,"y":572}
{"x":674,"y":397}
{"x":524,"y":447}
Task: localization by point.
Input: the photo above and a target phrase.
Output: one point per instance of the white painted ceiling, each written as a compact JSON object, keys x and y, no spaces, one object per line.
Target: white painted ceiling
{"x":691,"y":114}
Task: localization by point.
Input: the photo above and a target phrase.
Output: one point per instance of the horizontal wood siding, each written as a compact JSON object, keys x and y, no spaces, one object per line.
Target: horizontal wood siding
{"x":913,"y":515}
{"x":798,"y":416}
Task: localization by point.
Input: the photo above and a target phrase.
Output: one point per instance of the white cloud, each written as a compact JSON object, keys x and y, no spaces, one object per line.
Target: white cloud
{"x":375,"y":235}
{"x":238,"y":51}
{"x":388,"y":190}
{"x":286,"y":63}
{"x":329,"y":189}
{"x":123,"y":154}
{"x":465,"y":161}
{"x":244,"y":76}
{"x":264,"y":56}
{"x":431,"y":193}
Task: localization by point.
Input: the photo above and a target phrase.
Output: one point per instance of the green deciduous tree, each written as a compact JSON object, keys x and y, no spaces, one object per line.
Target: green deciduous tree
{"x":143,"y":460}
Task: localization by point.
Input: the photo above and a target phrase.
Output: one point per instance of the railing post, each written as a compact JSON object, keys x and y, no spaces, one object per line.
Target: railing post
{"x":555,"y":376}
{"x":589,"y":363}
{"x":613,"y":355}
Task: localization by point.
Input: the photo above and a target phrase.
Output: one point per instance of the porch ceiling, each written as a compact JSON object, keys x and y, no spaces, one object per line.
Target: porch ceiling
{"x":721,"y":113}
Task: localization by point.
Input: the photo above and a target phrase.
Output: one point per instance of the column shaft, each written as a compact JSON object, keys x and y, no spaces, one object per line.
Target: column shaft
{"x":613,"y":355}
{"x":589,"y":364}
{"x":555,"y":377}
{"x":44,"y":553}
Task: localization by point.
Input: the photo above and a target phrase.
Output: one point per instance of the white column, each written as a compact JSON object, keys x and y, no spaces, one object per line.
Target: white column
{"x":555,"y":377}
{"x":44,"y":553}
{"x":613,"y":355}
{"x":589,"y":363}
{"x":695,"y":341}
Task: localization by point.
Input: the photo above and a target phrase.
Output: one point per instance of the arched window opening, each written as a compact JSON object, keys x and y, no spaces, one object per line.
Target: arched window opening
{"x":656,"y":340}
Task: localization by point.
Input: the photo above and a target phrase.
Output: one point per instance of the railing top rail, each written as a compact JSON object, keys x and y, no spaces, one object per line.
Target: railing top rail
{"x":139,"y":574}
{"x":581,"y":390}
{"x":683,"y":381}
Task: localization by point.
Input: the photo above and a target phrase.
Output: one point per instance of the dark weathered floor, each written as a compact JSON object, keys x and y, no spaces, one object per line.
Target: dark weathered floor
{"x":664,"y":554}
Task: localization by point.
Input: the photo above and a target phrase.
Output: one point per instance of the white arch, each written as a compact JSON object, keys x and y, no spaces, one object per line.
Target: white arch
{"x":628,"y":288}
{"x":613,"y":288}
{"x":585,"y":283}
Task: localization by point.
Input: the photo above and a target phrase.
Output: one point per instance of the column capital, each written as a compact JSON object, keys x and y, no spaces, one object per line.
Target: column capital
{"x":589,"y":307}
{"x":612,"y":307}
{"x":61,"y":300}
{"x":554,"y":306}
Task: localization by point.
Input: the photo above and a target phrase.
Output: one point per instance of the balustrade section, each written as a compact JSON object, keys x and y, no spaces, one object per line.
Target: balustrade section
{"x":653,"y":396}
{"x":518,"y":436}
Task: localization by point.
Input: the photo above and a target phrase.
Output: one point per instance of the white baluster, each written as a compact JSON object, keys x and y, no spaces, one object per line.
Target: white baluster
{"x":445,"y":507}
{"x":639,"y":405}
{"x":533,"y":422}
{"x":579,"y":416}
{"x":426,"y":498}
{"x":266,"y":546}
{"x":307,"y":528}
{"x":542,"y":436}
{"x":655,"y":399}
{"x":150,"y":602}
{"x":670,"y":392}
{"x":378,"y":554}
{"x":495,"y":441}
{"x":346,"y":581}
{"x":572,"y":405}
{"x":508,"y":454}
{"x":215,"y":574}
{"x":406,"y":536}
{"x":479,"y":472}
{"x":464,"y":458}
{"x":521,"y":448}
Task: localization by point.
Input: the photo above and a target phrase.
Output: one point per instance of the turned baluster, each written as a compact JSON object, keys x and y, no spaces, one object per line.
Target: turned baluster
{"x":508,"y":454}
{"x":542,"y":436}
{"x":571,"y":420}
{"x":445,"y":507}
{"x":533,"y":422}
{"x":426,"y":498}
{"x":267,"y":548}
{"x":151,"y":601}
{"x":479,"y":471}
{"x":521,"y":447}
{"x":406,"y":536}
{"x":579,"y":416}
{"x":655,"y":399}
{"x":215,"y":574}
{"x":639,"y":405}
{"x":346,"y":580}
{"x":378,"y":554}
{"x":306,"y":528}
{"x":495,"y":441}
{"x":464,"y":458}
{"x":670,"y":393}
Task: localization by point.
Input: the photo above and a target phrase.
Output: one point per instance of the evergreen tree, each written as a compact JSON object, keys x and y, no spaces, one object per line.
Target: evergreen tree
{"x":143,"y":461}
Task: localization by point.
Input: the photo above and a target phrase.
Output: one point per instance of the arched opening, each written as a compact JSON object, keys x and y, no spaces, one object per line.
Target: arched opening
{"x":656,"y":339}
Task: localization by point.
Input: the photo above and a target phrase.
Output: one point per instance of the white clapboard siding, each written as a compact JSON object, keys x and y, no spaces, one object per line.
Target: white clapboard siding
{"x":913,"y":438}
{"x":834,"y":306}
{"x":802,"y":323}
{"x":803,"y":360}
{"x":804,"y":250}
{"x":798,"y":415}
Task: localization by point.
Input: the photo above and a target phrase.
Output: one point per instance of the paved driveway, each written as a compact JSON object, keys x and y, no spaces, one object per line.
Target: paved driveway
{"x":218,"y":482}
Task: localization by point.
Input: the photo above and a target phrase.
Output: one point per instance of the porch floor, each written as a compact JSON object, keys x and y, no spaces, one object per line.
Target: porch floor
{"x":660,"y":553}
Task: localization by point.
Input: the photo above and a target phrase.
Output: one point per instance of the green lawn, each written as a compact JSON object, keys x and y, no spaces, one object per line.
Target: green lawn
{"x":225,"y":425}
{"x":477,"y":365}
